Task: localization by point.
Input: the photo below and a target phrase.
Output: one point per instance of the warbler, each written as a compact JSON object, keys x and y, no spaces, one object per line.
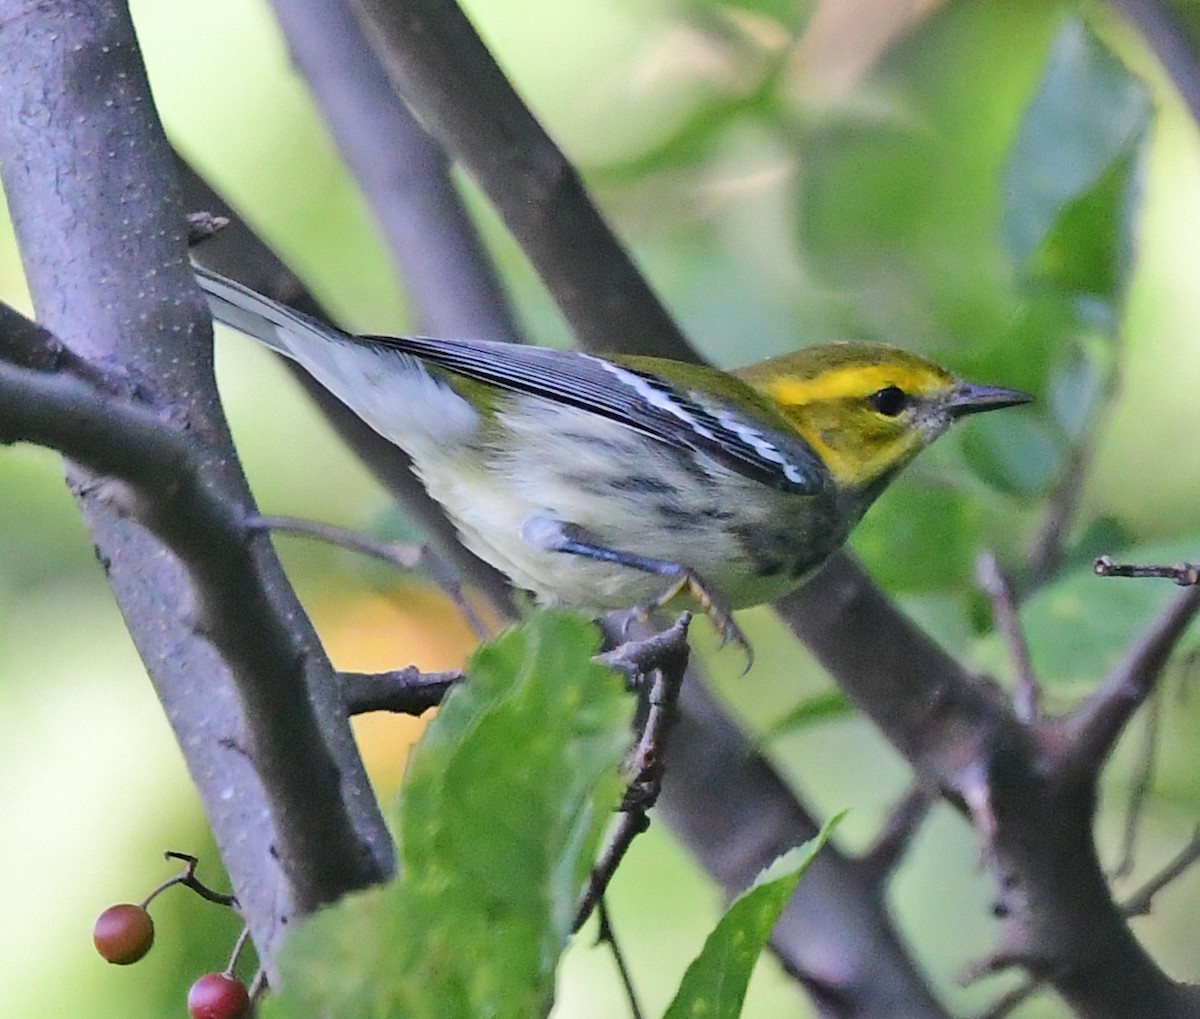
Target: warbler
{"x":616,"y":482}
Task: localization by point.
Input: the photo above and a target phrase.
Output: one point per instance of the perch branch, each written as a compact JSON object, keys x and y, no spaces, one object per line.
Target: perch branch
{"x":406,"y":691}
{"x":664,"y":658}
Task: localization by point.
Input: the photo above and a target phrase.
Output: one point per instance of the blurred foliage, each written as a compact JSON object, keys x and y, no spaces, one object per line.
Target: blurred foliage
{"x":980,"y":181}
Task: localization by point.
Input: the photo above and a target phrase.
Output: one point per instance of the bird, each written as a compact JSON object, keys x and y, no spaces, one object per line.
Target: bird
{"x":628,"y":482}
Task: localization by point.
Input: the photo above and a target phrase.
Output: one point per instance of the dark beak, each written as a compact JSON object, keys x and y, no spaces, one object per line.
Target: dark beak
{"x":971,"y":399}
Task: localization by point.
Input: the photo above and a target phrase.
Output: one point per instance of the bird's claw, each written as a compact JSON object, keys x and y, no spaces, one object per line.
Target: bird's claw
{"x":709,"y":601}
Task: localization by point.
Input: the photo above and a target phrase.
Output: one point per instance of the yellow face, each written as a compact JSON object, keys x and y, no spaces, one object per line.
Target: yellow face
{"x":867,"y":409}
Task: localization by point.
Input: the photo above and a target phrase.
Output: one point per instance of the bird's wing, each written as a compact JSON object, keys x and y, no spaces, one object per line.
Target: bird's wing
{"x":744,"y":439}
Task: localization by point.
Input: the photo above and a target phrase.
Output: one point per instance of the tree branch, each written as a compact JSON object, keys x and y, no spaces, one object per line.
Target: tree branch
{"x":434,"y":243}
{"x":96,"y":207}
{"x":1093,"y":728}
{"x":400,"y":554}
{"x":406,"y":691}
{"x":438,"y":63}
{"x":1032,"y":806}
{"x":660,"y":659}
{"x":146,"y":468}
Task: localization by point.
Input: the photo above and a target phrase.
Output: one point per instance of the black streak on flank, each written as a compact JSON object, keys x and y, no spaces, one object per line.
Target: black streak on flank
{"x":644,"y":484}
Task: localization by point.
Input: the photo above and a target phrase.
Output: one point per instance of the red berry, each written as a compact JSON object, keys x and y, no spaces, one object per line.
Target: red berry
{"x":217,"y":996}
{"x":123,"y":934}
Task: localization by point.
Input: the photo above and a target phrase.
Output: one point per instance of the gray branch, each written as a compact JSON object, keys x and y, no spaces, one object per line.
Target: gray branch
{"x":244,"y":682}
{"x":434,"y":243}
{"x":439,"y":64}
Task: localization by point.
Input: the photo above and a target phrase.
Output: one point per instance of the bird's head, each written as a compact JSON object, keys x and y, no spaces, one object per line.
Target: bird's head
{"x":867,"y":408}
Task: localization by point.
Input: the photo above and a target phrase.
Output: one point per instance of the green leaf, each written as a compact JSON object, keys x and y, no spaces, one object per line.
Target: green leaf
{"x":714,"y":985}
{"x":504,"y":803}
{"x":818,"y":708}
{"x":1070,"y":185}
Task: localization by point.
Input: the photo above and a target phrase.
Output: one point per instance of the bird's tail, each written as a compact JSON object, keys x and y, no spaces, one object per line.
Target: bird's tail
{"x":281,"y":328}
{"x":391,"y":390}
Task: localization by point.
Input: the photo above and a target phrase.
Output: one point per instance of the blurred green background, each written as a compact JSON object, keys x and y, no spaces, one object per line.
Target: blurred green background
{"x":784,"y":176}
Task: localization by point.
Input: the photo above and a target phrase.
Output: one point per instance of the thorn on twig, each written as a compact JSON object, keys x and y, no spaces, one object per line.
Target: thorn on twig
{"x":400,"y":554}
{"x":1183,"y":574}
{"x":977,"y":795}
{"x":996,"y":585}
{"x":1096,"y":724}
{"x":203,"y":225}
{"x":902,"y":823}
{"x":1138,"y":904}
{"x":406,"y":691}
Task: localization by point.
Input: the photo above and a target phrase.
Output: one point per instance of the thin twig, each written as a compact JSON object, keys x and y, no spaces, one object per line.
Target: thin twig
{"x":996,"y":585}
{"x":406,"y":691}
{"x":606,"y":935}
{"x":999,"y":961}
{"x":1138,"y":904}
{"x":646,"y":758}
{"x":1094,"y":727}
{"x":187,"y":878}
{"x":401,"y":554}
{"x":903,"y":822}
{"x":1183,"y":574}
{"x":1139,"y":787}
{"x":1003,"y":1005}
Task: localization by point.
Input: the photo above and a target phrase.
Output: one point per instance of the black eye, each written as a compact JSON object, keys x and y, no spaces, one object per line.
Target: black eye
{"x":890,"y":400}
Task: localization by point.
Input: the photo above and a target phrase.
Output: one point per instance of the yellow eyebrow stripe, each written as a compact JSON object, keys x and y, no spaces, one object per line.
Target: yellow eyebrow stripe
{"x":855,"y":381}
